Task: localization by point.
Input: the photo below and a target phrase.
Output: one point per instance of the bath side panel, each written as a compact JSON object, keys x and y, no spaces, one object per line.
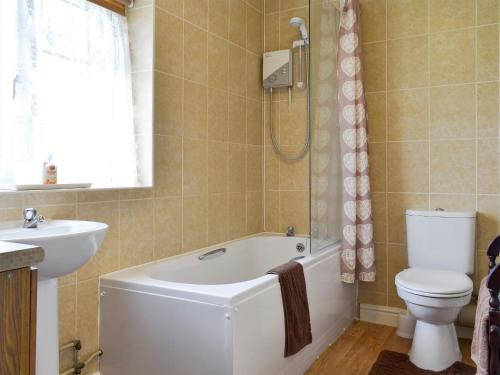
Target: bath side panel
{"x":147,"y":334}
{"x":259,"y":328}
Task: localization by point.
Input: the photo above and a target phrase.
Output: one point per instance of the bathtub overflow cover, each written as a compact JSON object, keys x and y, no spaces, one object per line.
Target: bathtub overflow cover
{"x":300,"y":247}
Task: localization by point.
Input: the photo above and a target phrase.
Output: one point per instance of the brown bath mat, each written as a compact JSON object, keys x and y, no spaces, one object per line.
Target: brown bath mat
{"x":392,"y":363}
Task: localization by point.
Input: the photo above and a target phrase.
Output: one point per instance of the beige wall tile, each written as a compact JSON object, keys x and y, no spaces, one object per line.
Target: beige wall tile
{"x":488,"y":166}
{"x":408,"y":167}
{"x":67,"y":313}
{"x":272,"y":32}
{"x":448,"y":119}
{"x":47,"y":198}
{"x":408,"y":115}
{"x":293,"y":123}
{"x":255,"y":212}
{"x":254,"y":122}
{"x":237,"y":70}
{"x":374,"y":20}
{"x":254,"y":30}
{"x":237,"y":215}
{"x":272,"y":211}
{"x":58,"y":212}
{"x":379,"y":207}
{"x":218,"y":17}
{"x":107,"y":257}
{"x":168,"y":104}
{"x":398,"y":261}
{"x":218,"y":62}
{"x":168,"y":227}
{"x":169,"y":43}
{"x":237,"y":22}
{"x":375,"y":66}
{"x":487,"y":12}
{"x":487,"y":109}
{"x":272,"y":163}
{"x":218,"y":218}
{"x":237,"y":119}
{"x":394,"y":300}
{"x":372,"y":298}
{"x":294,"y":211}
{"x":272,"y":6}
{"x":136,"y":193}
{"x":217,"y":167}
{"x":195,"y":110}
{"x":194,"y":222}
{"x":378,"y":167}
{"x":453,"y":167}
{"x":96,"y":196}
{"x":237,"y":168}
{"x":195,"y":54}
{"x":488,"y":220}
{"x":377,"y":117}
{"x":487,"y":53}
{"x":407,"y":63}
{"x":257,"y":4}
{"x":294,"y":175}
{"x":136,"y":232}
{"x":452,"y":57}
{"x":218,"y":129}
{"x":196,"y":12}
{"x":254,"y":76}
{"x":173,"y":6}
{"x":453,"y":202}
{"x":254,"y":168}
{"x":407,"y":18}
{"x":397,"y":204}
{"x":290,"y":4}
{"x":194,"y":164}
{"x":168,"y":166}
{"x":87,"y":325}
{"x":451,"y":14}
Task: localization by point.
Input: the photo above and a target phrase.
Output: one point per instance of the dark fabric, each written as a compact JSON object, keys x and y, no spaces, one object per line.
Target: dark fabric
{"x":392,"y":363}
{"x":295,"y":306}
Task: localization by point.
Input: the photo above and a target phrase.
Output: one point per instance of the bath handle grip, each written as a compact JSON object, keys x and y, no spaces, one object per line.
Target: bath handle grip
{"x":222,"y":250}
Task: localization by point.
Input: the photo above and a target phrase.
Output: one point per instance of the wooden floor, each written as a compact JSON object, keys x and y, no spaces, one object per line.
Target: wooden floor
{"x":357,"y":349}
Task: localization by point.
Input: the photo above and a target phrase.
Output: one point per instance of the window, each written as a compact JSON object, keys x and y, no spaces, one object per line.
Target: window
{"x":66,"y":91}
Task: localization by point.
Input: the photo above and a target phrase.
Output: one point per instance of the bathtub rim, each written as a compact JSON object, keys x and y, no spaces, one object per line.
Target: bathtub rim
{"x":135,"y":279}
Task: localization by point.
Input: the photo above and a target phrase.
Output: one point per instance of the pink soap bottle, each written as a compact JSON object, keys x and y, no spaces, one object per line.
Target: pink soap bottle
{"x":49,"y":172}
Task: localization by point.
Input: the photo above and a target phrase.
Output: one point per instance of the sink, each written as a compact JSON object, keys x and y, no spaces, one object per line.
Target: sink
{"x":68,"y":245}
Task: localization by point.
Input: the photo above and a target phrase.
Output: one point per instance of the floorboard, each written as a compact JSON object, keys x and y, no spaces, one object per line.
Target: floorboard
{"x":357,"y":349}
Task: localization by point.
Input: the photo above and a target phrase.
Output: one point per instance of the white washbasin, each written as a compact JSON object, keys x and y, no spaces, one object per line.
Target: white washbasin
{"x":68,"y":244}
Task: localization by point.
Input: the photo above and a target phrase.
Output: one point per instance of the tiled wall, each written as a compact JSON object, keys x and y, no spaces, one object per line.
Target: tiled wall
{"x":432,"y":94}
{"x":208,"y":154}
{"x":287,"y":183}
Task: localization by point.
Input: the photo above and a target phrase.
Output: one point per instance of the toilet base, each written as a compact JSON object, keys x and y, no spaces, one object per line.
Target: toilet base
{"x":434,"y":347}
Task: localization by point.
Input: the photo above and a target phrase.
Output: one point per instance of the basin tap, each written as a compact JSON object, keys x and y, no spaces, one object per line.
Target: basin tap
{"x":290,"y":231}
{"x":31,"y":218}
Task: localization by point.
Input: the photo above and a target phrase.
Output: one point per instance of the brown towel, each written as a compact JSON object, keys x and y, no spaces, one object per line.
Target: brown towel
{"x":295,"y":306}
{"x":479,"y":347}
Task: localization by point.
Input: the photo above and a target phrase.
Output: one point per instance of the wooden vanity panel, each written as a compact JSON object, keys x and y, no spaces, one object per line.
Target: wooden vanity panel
{"x":15,"y":317}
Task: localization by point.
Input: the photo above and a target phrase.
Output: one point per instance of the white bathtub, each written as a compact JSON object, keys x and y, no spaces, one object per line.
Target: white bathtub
{"x":220,"y":315}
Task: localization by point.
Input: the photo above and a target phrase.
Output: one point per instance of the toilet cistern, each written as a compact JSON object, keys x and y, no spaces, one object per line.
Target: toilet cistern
{"x":435,"y":287}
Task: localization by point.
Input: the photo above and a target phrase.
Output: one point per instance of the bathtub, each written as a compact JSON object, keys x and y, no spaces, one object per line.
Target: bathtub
{"x":220,"y":315}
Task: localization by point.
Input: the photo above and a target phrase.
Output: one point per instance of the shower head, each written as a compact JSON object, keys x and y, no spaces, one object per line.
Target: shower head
{"x":301,"y":25}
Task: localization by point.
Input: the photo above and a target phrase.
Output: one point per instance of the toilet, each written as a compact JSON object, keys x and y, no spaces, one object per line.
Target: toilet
{"x":435,"y":287}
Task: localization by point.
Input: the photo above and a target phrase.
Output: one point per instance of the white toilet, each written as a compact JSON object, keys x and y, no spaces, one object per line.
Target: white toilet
{"x":436,"y":287}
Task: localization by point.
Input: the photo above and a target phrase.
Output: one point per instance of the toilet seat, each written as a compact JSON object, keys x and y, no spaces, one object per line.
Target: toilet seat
{"x":434,"y":283}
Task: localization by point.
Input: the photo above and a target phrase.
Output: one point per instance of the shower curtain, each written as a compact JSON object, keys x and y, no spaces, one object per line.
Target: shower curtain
{"x":358,"y":256}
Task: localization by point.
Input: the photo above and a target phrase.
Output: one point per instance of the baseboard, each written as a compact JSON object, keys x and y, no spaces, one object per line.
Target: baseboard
{"x":389,"y":316}
{"x":385,"y":315}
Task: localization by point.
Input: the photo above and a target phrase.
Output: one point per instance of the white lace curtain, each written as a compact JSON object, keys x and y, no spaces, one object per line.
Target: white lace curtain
{"x":72,"y":95}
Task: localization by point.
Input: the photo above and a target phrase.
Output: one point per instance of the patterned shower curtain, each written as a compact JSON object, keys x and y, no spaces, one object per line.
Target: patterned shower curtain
{"x":358,"y":256}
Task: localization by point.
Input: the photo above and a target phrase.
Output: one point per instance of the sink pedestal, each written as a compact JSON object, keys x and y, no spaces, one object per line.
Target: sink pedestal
{"x":47,"y":330}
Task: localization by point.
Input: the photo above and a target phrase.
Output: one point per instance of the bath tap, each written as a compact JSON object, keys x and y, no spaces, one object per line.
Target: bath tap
{"x":290,"y":231}
{"x":31,"y":218}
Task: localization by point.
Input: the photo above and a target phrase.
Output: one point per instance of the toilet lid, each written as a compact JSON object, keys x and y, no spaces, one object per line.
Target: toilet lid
{"x":434,"y":282}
